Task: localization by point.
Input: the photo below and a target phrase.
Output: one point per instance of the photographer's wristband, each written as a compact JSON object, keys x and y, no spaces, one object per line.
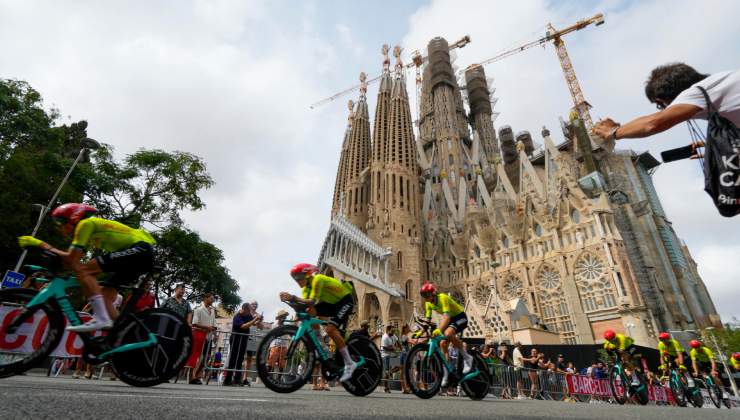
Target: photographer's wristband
{"x":613,"y":134}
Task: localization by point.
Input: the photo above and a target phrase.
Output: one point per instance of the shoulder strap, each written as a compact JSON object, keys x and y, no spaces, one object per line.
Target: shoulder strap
{"x":706,"y":96}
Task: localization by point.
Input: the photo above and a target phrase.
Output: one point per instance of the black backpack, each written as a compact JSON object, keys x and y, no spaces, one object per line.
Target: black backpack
{"x":722,"y":161}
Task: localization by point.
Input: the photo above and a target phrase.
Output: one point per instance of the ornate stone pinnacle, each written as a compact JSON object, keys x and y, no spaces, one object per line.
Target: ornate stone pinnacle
{"x":363,"y":84}
{"x":351,"y":107}
{"x":397,"y":53}
{"x":386,"y":60}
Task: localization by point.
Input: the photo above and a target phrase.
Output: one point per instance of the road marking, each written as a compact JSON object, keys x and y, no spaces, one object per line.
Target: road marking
{"x":173,"y":397}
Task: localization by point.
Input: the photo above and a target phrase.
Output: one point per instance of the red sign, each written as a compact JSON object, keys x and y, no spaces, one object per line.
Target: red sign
{"x":584,"y":385}
{"x":29,"y":336}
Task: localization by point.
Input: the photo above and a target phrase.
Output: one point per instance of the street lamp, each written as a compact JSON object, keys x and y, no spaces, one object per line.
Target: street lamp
{"x":87,"y":144}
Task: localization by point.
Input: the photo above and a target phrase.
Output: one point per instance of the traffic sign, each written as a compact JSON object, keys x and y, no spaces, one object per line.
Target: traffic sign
{"x":12,"y":279}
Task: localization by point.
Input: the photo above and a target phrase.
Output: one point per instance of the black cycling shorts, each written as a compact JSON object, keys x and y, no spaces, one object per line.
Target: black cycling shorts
{"x":705,"y":367}
{"x":338,"y":313}
{"x":459,"y":322}
{"x":127,"y":264}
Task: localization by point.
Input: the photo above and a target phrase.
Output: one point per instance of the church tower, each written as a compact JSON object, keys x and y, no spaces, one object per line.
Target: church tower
{"x":341,"y":178}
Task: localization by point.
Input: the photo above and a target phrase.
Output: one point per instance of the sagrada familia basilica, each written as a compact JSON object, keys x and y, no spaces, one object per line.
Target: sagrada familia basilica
{"x":550,"y":244}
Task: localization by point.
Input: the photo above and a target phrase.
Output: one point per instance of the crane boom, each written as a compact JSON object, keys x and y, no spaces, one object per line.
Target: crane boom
{"x":417,"y":60}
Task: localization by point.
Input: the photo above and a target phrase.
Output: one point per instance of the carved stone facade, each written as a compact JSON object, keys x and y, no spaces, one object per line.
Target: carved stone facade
{"x":574,"y":235}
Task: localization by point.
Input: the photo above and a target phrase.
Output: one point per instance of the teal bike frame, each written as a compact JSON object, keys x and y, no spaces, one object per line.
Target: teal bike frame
{"x":434,"y":347}
{"x":627,"y":381}
{"x":306,"y":328}
{"x":57,"y":290}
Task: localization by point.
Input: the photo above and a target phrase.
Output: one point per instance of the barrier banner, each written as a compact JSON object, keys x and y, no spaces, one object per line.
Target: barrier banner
{"x":585,"y":385}
{"x":29,"y":336}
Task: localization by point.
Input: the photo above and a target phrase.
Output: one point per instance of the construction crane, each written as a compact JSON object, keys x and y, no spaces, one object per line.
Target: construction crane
{"x":417,"y":60}
{"x":580,"y":105}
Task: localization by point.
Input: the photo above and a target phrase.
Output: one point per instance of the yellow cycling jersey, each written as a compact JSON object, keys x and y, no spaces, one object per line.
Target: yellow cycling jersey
{"x":620,"y":342}
{"x":327,"y":289}
{"x":702,"y":354}
{"x":735,"y":363}
{"x":444,"y":304}
{"x":673,"y":347}
{"x":108,"y":235}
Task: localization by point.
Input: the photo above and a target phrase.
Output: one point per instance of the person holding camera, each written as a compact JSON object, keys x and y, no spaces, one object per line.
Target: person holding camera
{"x":673,"y":90}
{"x":242,"y":322}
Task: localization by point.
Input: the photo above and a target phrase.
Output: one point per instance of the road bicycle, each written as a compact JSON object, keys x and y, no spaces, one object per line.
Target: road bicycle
{"x":299,"y":350}
{"x":683,"y":392}
{"x":425,"y":363}
{"x":621,"y":383}
{"x":715,"y":391}
{"x":143,"y":348}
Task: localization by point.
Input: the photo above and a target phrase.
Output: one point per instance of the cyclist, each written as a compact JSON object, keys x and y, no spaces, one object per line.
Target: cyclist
{"x":670,"y":351}
{"x":735,"y":361}
{"x":625,"y":346}
{"x":326,"y":297}
{"x":454,"y":321}
{"x":128,"y":254}
{"x":702,"y":358}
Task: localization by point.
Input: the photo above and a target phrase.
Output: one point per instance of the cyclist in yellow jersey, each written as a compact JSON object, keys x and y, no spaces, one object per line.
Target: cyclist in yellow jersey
{"x":735,"y":361}
{"x":670,"y":351}
{"x":454,"y":321}
{"x":702,"y":360}
{"x":625,"y":346}
{"x":329,"y":298}
{"x":128,"y":255}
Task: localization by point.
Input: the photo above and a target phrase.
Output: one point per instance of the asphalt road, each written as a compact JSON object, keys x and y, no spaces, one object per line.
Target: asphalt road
{"x":39,"y":397}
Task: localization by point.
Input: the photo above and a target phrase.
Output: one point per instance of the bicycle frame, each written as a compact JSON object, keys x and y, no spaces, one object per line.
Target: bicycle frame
{"x":435,"y":347}
{"x":57,"y":290}
{"x":306,"y":327}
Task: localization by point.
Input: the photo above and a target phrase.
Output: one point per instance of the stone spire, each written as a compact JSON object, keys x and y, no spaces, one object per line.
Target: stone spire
{"x":481,"y":112}
{"x":380,"y":142}
{"x":358,"y":152}
{"x":341,"y":179}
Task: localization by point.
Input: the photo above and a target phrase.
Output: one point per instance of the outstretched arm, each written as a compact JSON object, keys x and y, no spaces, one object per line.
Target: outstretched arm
{"x":646,"y":125}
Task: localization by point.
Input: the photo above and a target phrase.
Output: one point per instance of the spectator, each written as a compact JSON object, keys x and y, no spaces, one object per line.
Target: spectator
{"x":278,"y":347}
{"x":146,"y":301}
{"x":518,"y":359}
{"x":253,"y":305}
{"x":506,"y":370}
{"x":560,"y":365}
{"x":240,"y":325}
{"x":177,"y":304}
{"x":403,"y":340}
{"x":673,"y":89}
{"x":388,"y":346}
{"x":571,"y":368}
{"x":204,"y":323}
{"x":531,"y":363}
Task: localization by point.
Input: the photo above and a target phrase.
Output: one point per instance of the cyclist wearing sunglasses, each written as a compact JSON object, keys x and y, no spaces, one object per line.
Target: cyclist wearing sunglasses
{"x":454,"y":321}
{"x":128,"y":254}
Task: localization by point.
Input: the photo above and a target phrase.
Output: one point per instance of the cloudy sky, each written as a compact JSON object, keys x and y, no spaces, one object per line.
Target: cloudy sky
{"x":231,"y":81}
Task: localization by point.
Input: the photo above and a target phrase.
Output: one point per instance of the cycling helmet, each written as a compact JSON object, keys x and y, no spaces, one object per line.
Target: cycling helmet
{"x":72,"y":213}
{"x":609,"y":335}
{"x":736,"y":356}
{"x":300,"y":271}
{"x":695,"y":344}
{"x":428,"y":289}
{"x":664,"y":336}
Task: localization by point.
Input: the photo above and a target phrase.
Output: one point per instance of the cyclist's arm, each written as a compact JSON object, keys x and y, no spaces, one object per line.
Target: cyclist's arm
{"x":695,"y":365}
{"x":714,"y":366}
{"x":445,"y":322}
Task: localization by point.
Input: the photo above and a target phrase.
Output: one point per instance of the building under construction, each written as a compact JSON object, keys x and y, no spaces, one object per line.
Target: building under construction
{"x":544,"y":244}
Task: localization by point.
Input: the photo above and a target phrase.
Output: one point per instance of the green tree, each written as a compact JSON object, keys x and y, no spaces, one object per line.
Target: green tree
{"x":186,"y":258}
{"x":149,"y":188}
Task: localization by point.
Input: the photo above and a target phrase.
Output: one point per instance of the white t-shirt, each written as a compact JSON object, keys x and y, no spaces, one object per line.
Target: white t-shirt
{"x":724,"y":91}
{"x":517,"y":356}
{"x":202,"y":316}
{"x":387,"y":341}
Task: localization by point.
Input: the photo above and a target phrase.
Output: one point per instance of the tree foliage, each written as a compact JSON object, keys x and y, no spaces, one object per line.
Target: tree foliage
{"x":186,"y":258}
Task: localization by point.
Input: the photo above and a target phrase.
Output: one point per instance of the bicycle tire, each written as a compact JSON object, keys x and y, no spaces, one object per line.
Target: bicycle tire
{"x":367,"y":377}
{"x":429,"y":367}
{"x":715,"y":393}
{"x":642,"y":396}
{"x":696,"y":398}
{"x":152,"y":365}
{"x":302,"y":353}
{"x":477,"y":388}
{"x":677,"y":389}
{"x":18,"y":298}
{"x":615,"y":375}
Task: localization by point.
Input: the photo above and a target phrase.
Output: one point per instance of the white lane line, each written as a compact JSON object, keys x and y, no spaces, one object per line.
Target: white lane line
{"x":173,"y":397}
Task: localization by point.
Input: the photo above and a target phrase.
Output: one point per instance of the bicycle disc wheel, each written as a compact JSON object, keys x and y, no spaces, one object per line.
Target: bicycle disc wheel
{"x":618,"y":385}
{"x":367,"y":377}
{"x":293,"y":364}
{"x":34,"y":339}
{"x":423,"y":374}
{"x":715,"y":394}
{"x":477,"y":388}
{"x":156,"y":364}
{"x":677,"y":389}
{"x":641,"y":391}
